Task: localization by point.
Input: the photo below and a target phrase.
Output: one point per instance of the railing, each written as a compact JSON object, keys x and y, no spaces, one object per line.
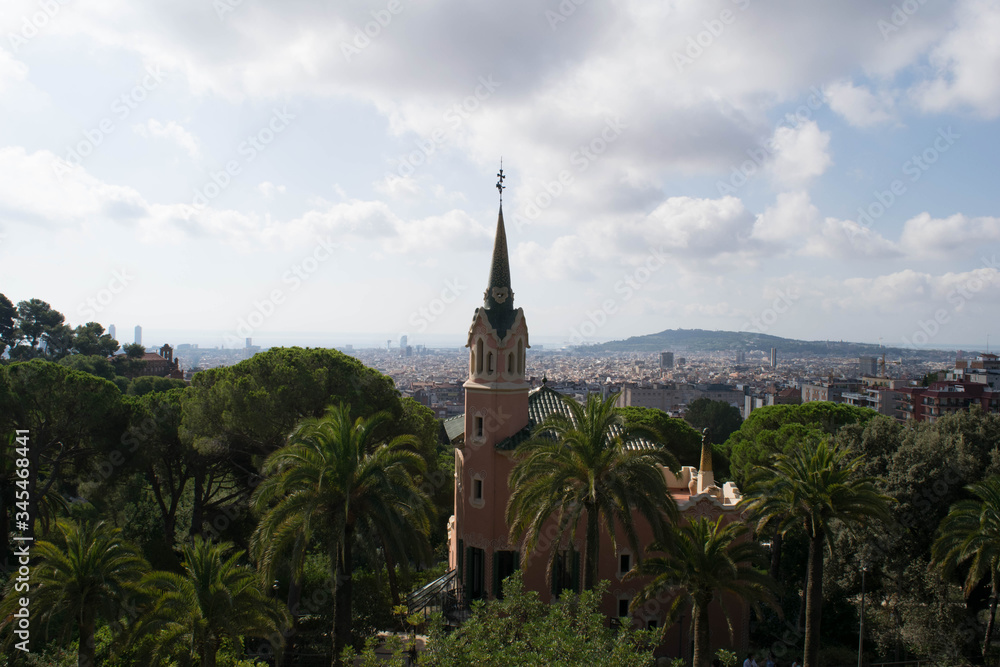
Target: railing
{"x":443,"y":595}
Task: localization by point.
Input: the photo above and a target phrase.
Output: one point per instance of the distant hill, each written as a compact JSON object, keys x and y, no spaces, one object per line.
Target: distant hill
{"x":702,"y":340}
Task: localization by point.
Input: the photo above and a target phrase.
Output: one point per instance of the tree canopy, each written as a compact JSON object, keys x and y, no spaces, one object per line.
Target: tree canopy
{"x":719,"y":416}
{"x":775,"y":429}
{"x":521,"y":631}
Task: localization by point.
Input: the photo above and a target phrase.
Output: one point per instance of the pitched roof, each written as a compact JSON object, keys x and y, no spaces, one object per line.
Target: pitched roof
{"x":454,"y":427}
{"x":500,"y":312}
{"x":543,"y":402}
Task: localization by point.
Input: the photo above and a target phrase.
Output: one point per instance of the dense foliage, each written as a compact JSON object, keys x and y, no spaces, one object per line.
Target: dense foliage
{"x":780,"y":429}
{"x":157,"y":504}
{"x":156,"y":463}
{"x":721,"y":418}
{"x":522,"y":631}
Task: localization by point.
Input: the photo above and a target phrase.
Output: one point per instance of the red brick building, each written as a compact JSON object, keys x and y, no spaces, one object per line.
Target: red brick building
{"x":946,"y":397}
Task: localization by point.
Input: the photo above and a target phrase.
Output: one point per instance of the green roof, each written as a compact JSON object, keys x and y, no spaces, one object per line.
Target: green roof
{"x":543,"y":402}
{"x":454,"y":427}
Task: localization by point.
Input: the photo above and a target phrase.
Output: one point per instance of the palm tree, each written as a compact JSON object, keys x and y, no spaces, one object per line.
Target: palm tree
{"x":812,"y":488}
{"x":216,"y":598}
{"x":335,"y":479}
{"x":971,"y":531}
{"x":589,"y":466}
{"x":88,"y":573}
{"x":704,"y":559}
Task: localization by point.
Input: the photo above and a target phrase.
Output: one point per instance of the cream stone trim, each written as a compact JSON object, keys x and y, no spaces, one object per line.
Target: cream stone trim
{"x":480,"y":502}
{"x":494,"y":387}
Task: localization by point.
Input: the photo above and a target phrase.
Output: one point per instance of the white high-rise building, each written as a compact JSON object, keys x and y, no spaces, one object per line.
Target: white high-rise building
{"x":138,"y":334}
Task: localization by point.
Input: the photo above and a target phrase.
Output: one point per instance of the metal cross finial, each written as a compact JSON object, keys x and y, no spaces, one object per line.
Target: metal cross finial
{"x":500,"y":186}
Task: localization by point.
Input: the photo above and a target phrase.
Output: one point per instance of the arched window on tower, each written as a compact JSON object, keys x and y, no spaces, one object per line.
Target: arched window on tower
{"x":520,"y":357}
{"x":479,"y":357}
{"x":489,"y":363}
{"x":510,"y":363}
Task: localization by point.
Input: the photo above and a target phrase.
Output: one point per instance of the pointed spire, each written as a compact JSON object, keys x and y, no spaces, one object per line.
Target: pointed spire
{"x":498,"y":292}
{"x":706,"y":451}
{"x":498,"y":299}
{"x":706,"y":478}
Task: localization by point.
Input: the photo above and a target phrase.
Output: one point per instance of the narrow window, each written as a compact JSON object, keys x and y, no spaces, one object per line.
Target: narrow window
{"x":623,"y":607}
{"x":479,"y":357}
{"x":479,"y":427}
{"x":489,"y":364}
{"x":505,"y":563}
{"x":510,"y":363}
{"x":624,"y":563}
{"x":566,"y":574}
{"x":477,"y":489}
{"x":475,"y":572}
{"x":520,"y":357}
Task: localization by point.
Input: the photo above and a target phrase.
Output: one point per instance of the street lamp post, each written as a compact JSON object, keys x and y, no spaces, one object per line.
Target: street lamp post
{"x":861,"y":624}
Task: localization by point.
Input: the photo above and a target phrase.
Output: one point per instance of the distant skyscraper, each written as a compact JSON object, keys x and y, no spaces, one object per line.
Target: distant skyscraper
{"x":402,"y":342}
{"x":774,"y":357}
{"x":741,"y":356}
{"x":111,"y":330}
{"x":249,"y":342}
{"x":138,"y":334}
{"x":666,"y":360}
{"x":869,"y":366}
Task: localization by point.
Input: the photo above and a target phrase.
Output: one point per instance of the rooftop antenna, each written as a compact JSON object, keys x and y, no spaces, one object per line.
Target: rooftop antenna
{"x":500,"y":186}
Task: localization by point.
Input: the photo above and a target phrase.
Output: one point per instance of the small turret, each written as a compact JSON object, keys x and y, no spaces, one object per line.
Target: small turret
{"x":706,"y":477}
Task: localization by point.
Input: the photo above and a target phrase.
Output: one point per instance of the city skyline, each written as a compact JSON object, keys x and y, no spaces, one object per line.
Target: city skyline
{"x":257,"y":169}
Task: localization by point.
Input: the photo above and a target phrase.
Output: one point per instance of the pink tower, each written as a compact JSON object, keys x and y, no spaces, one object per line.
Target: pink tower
{"x":496,"y":407}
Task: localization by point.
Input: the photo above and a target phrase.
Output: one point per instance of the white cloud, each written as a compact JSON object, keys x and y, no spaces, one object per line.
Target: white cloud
{"x":547,"y":105}
{"x":910,"y":291}
{"x":690,"y":227}
{"x":954,"y":236}
{"x":11,"y":70}
{"x":269,"y":190}
{"x":858,"y":105}
{"x":569,"y":258}
{"x":398,"y":187}
{"x":846,"y":239}
{"x":967,"y":63}
{"x":172,"y":132}
{"x":452,"y":231}
{"x":800,"y":154}
{"x":606,"y":60}
{"x":793,"y":223}
{"x":40,"y":188}
{"x":792,"y":218}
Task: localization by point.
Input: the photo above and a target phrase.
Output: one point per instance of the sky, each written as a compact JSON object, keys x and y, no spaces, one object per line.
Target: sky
{"x":305,"y":172}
